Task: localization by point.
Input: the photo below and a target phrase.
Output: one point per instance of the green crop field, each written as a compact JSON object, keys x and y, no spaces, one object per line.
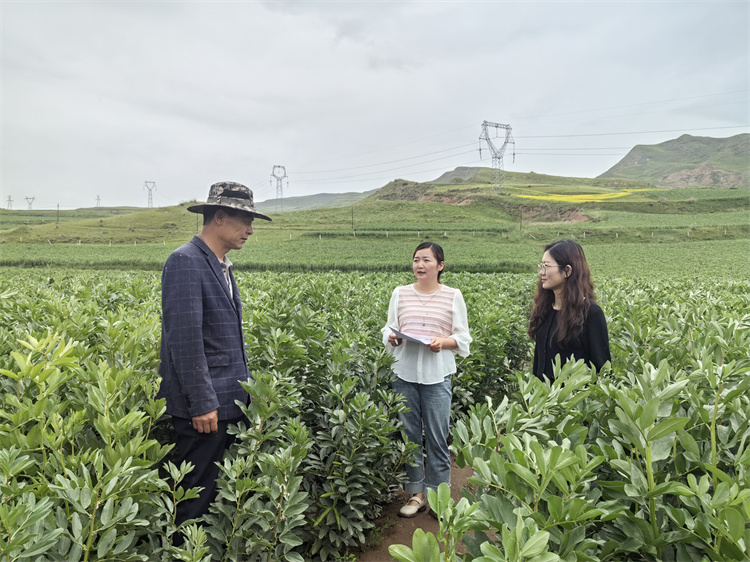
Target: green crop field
{"x":479,"y":229}
{"x":12,"y":219}
{"x":729,"y":259}
{"x":648,"y":462}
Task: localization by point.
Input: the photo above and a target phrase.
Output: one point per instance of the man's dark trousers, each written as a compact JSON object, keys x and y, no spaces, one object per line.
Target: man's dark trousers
{"x":203,"y":450}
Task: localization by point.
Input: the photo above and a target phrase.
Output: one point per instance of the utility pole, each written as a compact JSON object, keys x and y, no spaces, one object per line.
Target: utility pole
{"x":151,"y":187}
{"x":58,"y":214}
{"x":10,"y":203}
{"x":279,"y":172}
{"x":30,"y":200}
{"x":497,"y":153}
{"x":98,"y":201}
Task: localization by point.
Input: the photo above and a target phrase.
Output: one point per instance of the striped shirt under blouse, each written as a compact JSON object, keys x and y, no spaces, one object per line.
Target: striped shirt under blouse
{"x":441,"y":314}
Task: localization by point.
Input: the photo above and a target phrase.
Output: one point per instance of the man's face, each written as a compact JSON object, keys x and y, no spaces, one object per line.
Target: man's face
{"x":235,"y":230}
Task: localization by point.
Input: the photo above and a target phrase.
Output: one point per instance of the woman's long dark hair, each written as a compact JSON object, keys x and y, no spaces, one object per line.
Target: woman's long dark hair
{"x":576,"y":296}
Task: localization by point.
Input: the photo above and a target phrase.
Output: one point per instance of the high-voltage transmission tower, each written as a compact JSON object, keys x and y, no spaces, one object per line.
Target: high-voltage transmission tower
{"x":30,"y":200}
{"x":151,"y":186}
{"x":279,"y":172}
{"x":497,"y":153}
{"x":98,"y":201}
{"x":10,"y":202}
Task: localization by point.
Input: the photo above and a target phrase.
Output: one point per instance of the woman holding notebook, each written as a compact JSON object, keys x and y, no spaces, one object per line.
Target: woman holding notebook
{"x":432,"y":327}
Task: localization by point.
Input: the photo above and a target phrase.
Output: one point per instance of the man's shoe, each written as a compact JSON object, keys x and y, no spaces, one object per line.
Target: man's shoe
{"x":413,"y":506}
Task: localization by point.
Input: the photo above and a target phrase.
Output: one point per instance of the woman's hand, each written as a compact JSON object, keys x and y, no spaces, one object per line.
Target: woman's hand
{"x":393,"y":340}
{"x":438,"y":344}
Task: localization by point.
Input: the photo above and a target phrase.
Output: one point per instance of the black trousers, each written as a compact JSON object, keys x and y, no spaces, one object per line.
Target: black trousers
{"x":203,"y":450}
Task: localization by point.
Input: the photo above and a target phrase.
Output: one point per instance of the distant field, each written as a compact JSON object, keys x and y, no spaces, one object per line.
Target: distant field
{"x":724,"y":258}
{"x":643,"y":231}
{"x":620,"y":219}
{"x":13,"y":219}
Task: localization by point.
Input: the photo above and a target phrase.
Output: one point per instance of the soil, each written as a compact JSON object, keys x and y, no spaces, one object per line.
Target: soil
{"x":399,"y":530}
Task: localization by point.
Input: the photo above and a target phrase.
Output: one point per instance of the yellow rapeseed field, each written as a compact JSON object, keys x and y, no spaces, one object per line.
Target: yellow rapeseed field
{"x":579,"y":197}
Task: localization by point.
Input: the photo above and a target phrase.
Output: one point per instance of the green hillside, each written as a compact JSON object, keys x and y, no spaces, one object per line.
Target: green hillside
{"x":317,"y":201}
{"x":493,"y":228}
{"x":15,"y":218}
{"x":688,"y":162}
{"x":485,"y":230}
{"x":535,"y":204}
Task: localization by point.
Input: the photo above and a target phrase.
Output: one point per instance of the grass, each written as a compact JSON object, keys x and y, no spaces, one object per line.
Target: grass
{"x":724,"y":258}
{"x":10,"y":219}
{"x":480,"y":230}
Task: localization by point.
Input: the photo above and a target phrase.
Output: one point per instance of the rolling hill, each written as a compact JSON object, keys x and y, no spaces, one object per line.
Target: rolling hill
{"x":464,"y":200}
{"x":688,"y":161}
{"x":317,"y":201}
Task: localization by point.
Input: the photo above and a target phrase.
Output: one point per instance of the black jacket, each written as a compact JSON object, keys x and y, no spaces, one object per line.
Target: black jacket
{"x":592,"y":346}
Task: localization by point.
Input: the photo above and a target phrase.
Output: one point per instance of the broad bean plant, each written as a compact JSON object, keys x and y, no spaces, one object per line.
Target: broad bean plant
{"x":647,"y":461}
{"x":87,"y":470}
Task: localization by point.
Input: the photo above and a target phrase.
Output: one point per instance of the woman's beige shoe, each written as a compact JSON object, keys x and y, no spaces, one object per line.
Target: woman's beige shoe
{"x":413,"y":506}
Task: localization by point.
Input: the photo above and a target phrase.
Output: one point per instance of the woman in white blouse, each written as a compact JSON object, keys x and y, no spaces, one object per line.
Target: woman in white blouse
{"x":433,"y":326}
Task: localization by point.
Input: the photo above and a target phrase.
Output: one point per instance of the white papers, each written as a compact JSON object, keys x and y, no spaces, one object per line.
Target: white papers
{"x":416,"y":339}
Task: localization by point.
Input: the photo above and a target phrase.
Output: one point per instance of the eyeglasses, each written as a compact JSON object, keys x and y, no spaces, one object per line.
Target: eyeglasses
{"x":542,"y":267}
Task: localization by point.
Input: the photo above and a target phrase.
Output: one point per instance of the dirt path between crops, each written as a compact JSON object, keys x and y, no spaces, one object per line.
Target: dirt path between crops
{"x":397,"y":530}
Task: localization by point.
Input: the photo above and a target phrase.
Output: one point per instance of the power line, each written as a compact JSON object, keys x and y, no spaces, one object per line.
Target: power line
{"x":391,"y":147}
{"x":634,"y":105}
{"x":388,"y":162}
{"x":568,"y":154}
{"x":593,"y":110}
{"x":631,"y":133}
{"x":390,"y":169}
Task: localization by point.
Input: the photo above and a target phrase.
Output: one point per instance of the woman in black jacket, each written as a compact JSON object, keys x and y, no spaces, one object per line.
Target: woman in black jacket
{"x":566,"y":320}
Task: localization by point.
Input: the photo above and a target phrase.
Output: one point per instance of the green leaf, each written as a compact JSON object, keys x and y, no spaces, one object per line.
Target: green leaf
{"x":76,"y":527}
{"x":106,"y":515}
{"x":402,"y":553}
{"x":525,"y":474}
{"x":106,"y":542}
{"x":650,"y":411}
{"x":43,"y":544}
{"x":536,"y":544}
{"x":665,"y":427}
{"x":735,"y":522}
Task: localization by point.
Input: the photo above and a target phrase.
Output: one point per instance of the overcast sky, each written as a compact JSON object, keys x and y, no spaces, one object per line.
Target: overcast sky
{"x":100,"y":97}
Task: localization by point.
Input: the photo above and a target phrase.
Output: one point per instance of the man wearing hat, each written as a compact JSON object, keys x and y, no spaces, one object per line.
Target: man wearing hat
{"x":203,"y":357}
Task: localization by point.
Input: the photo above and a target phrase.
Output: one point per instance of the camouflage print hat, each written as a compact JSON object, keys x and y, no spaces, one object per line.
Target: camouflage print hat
{"x":232,"y":195}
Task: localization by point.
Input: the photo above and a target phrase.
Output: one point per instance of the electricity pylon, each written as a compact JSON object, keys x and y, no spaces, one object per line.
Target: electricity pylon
{"x":279,"y":172}
{"x":497,"y":153}
{"x":151,"y":186}
{"x":10,"y":203}
{"x":30,"y":200}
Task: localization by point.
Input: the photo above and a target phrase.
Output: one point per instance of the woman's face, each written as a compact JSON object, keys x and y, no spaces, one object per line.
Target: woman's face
{"x":552,"y":276}
{"x":426,"y":266}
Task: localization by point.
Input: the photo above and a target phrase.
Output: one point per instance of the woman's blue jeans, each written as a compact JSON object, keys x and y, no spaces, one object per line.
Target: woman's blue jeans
{"x":428,"y":417}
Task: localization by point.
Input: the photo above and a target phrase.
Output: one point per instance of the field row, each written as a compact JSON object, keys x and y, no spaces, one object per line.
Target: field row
{"x":727,"y":258}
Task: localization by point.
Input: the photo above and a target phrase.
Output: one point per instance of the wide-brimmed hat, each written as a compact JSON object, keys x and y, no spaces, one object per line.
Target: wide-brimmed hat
{"x":232,"y":195}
